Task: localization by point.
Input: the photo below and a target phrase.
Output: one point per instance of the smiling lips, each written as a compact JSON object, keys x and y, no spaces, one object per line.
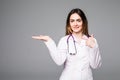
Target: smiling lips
{"x":76,"y":27}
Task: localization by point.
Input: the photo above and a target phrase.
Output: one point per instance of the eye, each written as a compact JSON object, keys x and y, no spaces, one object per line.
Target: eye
{"x":72,"y":20}
{"x":79,"y":20}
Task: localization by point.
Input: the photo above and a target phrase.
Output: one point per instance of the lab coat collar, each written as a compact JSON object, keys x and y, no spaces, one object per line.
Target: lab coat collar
{"x":84,"y":37}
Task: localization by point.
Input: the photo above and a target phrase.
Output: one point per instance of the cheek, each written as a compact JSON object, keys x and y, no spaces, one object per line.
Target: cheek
{"x":71,"y":24}
{"x":80,"y":23}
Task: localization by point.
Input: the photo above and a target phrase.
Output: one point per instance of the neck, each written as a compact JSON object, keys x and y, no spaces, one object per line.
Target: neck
{"x":78,"y":35}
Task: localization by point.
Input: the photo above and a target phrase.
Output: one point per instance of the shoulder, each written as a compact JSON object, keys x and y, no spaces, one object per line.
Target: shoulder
{"x":64,"y":37}
{"x":63,"y":42}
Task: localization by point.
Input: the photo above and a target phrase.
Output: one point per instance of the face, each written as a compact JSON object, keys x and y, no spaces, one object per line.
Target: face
{"x":76,"y":23}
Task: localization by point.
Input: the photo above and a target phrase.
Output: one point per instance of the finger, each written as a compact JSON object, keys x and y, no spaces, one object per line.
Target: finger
{"x":36,"y":37}
{"x":92,"y":35}
{"x":41,"y":35}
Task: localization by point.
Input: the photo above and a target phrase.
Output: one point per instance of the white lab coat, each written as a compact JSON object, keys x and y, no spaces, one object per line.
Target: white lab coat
{"x":77,"y":67}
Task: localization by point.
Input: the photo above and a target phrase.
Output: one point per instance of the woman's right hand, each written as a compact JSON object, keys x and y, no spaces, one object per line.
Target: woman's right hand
{"x":41,"y":37}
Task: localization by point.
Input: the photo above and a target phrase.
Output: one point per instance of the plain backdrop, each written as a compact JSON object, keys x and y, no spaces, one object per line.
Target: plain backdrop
{"x":22,"y":58}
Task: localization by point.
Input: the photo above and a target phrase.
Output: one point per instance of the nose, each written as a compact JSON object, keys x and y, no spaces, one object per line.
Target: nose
{"x":75,"y":23}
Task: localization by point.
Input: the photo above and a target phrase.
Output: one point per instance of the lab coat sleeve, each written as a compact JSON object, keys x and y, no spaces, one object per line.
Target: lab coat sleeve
{"x":95,"y":57}
{"x":58,"y":53}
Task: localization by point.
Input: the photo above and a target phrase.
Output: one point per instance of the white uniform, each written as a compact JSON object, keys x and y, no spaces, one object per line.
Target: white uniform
{"x":77,"y":67}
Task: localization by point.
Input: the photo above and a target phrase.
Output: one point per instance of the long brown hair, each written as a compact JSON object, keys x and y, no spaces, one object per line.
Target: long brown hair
{"x":84,"y":19}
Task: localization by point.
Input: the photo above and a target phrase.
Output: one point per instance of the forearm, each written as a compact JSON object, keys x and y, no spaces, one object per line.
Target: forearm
{"x":95,"y":57}
{"x":57,"y":55}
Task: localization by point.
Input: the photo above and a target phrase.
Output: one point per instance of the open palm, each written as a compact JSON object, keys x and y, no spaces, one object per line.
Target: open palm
{"x":41,"y":37}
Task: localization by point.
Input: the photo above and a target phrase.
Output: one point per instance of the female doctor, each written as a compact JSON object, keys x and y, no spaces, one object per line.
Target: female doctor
{"x":77,"y":51}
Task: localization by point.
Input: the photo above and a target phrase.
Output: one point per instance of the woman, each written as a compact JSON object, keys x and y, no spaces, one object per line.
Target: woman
{"x":78,"y":51}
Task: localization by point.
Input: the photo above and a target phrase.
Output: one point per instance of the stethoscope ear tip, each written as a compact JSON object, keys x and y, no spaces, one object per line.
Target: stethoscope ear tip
{"x":72,"y":53}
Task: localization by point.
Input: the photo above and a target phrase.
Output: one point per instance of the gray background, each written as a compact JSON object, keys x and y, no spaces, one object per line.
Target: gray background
{"x":22,"y":58}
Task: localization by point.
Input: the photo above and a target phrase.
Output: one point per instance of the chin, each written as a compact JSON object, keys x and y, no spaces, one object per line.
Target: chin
{"x":76,"y":31}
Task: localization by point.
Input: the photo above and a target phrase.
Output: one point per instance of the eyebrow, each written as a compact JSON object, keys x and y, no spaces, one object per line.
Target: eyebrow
{"x":76,"y":19}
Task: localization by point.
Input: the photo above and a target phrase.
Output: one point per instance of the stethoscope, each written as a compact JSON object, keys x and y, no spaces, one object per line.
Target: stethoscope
{"x":73,"y":43}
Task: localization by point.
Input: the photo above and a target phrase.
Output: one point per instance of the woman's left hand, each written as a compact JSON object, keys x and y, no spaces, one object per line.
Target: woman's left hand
{"x":90,"y":41}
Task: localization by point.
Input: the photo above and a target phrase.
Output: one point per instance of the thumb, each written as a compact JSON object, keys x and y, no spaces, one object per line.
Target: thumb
{"x":92,"y":35}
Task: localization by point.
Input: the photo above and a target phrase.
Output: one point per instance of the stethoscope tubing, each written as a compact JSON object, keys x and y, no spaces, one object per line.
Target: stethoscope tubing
{"x":74,"y":45}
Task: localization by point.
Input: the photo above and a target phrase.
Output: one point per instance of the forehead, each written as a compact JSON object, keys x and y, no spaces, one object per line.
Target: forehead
{"x":75,"y":16}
